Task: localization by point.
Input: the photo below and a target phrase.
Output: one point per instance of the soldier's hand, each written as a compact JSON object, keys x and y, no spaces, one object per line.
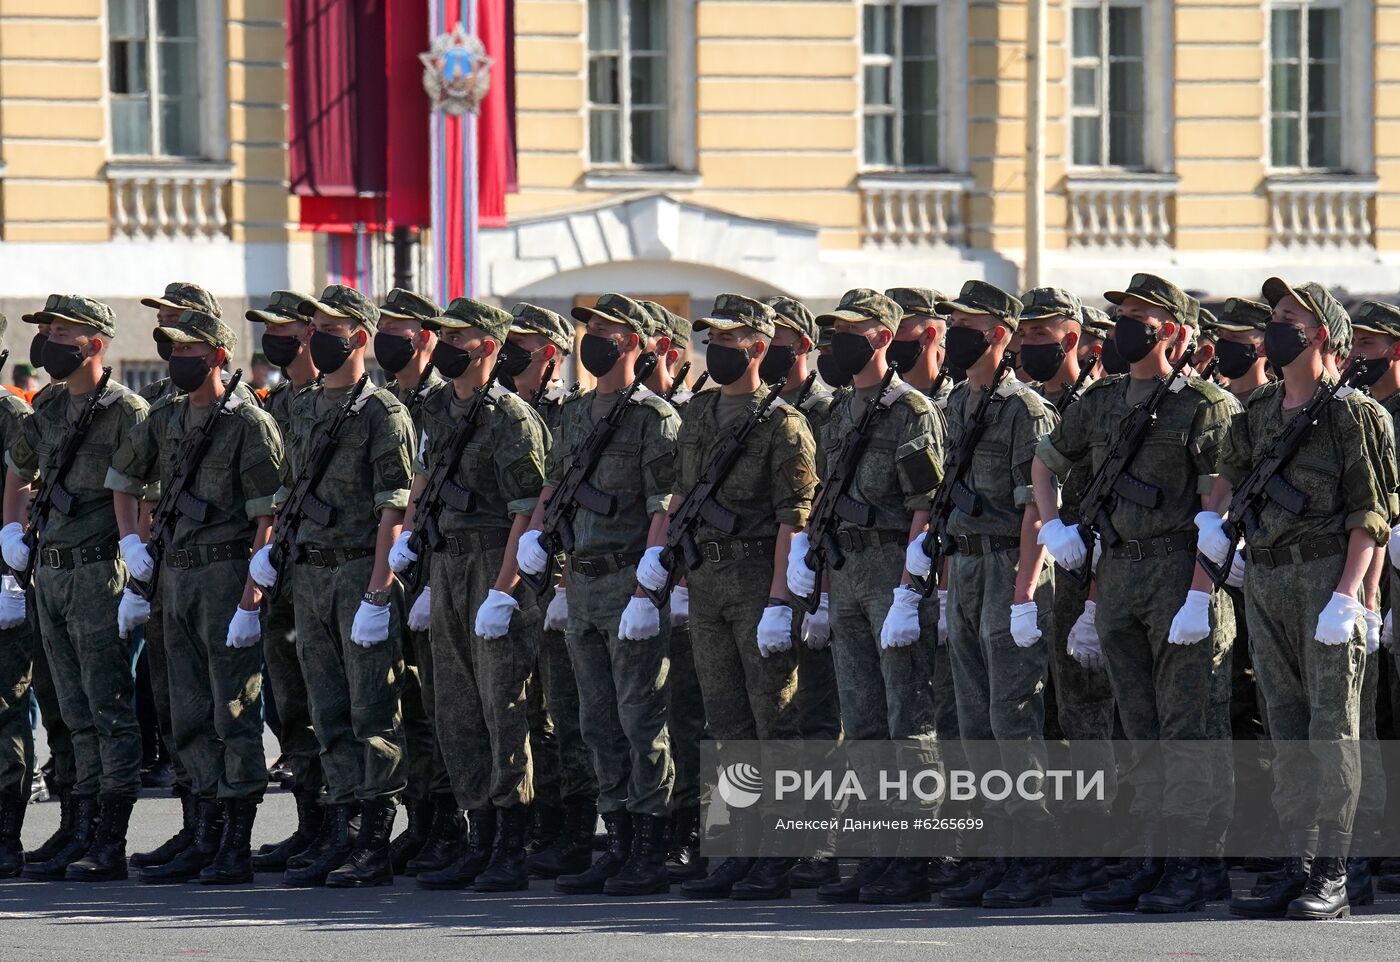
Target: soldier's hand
{"x":775,"y":630}
{"x":1192,"y":621}
{"x":12,"y":607}
{"x":1374,"y":624}
{"x":901,"y":627}
{"x":529,"y":556}
{"x":1083,"y":644}
{"x":371,"y":625}
{"x":12,"y":546}
{"x":138,"y":559}
{"x":420,"y":616}
{"x":651,"y":573}
{"x":132,"y":612}
{"x":640,"y":620}
{"x":916,"y":561}
{"x":1213,"y":541}
{"x":1024,"y":629}
{"x":680,"y":605}
{"x":401,"y":555}
{"x":261,"y":567}
{"x":1337,"y":622}
{"x":556,"y":616}
{"x":493,"y":617}
{"x":1235,"y":579}
{"x":244,"y":629}
{"x":802,"y":580}
{"x":816,"y":625}
{"x":1064,"y":542}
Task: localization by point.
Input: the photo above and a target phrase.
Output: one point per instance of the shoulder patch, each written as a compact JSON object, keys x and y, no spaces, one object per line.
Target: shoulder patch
{"x":1209,"y":389}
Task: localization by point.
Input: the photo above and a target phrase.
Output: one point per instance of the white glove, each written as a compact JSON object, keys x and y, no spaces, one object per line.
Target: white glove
{"x":556,"y":615}
{"x":401,"y":555}
{"x":1235,"y":579}
{"x":1083,"y":644}
{"x":1337,"y":622}
{"x":816,"y":625}
{"x":680,"y":605}
{"x":1192,"y":621}
{"x":942,"y":616}
{"x":916,"y":562}
{"x":244,"y":628}
{"x":1374,"y":624}
{"x":371,"y":625}
{"x":12,"y":608}
{"x":138,"y":559}
{"x":12,"y":546}
{"x":640,"y":620}
{"x":901,"y":627}
{"x":529,"y":556}
{"x":1024,"y":631}
{"x":132,"y":612}
{"x":775,"y":630}
{"x":802,"y":580}
{"x":493,"y":617}
{"x":1388,"y":631}
{"x":1392,"y":546}
{"x":420,"y":616}
{"x":651,"y":573}
{"x":1212,"y":541}
{"x":260,"y":567}
{"x":1064,"y":543}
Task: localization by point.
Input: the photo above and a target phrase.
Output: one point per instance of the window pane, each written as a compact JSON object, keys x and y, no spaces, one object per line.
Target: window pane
{"x":1124,"y":31}
{"x":1285,"y":91}
{"x":877,"y":38}
{"x":602,"y":80}
{"x":1283,"y":34}
{"x":920,"y":133}
{"x":1325,"y":34}
{"x":1324,"y":88}
{"x":126,"y":18}
{"x":648,"y":81}
{"x":879,"y":140}
{"x":920,"y":86}
{"x":649,"y":138}
{"x":877,"y":85}
{"x":1086,"y":141}
{"x":604,"y":139}
{"x":1125,"y":93}
{"x":602,"y":25}
{"x":920,"y":26}
{"x":127,"y":68}
{"x":1085,"y":31}
{"x":131,"y":126}
{"x":179,"y":127}
{"x":1125,"y":140}
{"x":1325,"y":142}
{"x":178,"y":62}
{"x":1284,"y":142}
{"x":1086,"y":86}
{"x":647,"y":26}
{"x":176,"y":18}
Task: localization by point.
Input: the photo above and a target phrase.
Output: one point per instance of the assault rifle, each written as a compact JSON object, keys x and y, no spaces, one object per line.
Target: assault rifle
{"x":537,"y":398}
{"x":414,"y":401}
{"x":676,"y":384}
{"x":1070,"y":393}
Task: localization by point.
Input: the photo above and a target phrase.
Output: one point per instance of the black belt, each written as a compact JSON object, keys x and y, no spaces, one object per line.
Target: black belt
{"x":331,"y":558}
{"x":207,"y":554}
{"x":1142,"y":550}
{"x":975,"y":544}
{"x":62,"y":559}
{"x":737,"y":549}
{"x":469,"y":542}
{"x":1293,"y":554}
{"x":596,"y":566}
{"x":859,"y":539}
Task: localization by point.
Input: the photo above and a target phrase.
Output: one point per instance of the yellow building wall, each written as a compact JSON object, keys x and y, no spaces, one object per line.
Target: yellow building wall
{"x":1387,"y":129}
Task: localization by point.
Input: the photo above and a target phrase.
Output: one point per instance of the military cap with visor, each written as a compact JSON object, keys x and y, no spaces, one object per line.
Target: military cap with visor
{"x":979,"y":297}
{"x":198,"y":327}
{"x":863,"y":304}
{"x":1162,"y":293}
{"x":346,"y":303}
{"x":285,"y":307}
{"x":733,"y":311}
{"x":51,"y":302}
{"x":530,"y":319}
{"x":618,"y":309}
{"x":1320,"y":302}
{"x":185,"y":296}
{"x":1042,"y":302}
{"x":916,"y":300}
{"x":80,"y":310}
{"x":1240,"y":314}
{"x":1376,"y":317}
{"x":465,"y":312}
{"x":792,"y":314}
{"x":405,"y":305}
{"x":1096,"y":321}
{"x":668,"y":322}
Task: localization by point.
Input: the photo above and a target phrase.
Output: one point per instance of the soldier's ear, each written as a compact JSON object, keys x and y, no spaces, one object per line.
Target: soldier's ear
{"x":360,"y":338}
{"x":663,"y":344}
{"x":1071,"y":341}
{"x":94,"y":346}
{"x":549,"y":352}
{"x":998,"y":334}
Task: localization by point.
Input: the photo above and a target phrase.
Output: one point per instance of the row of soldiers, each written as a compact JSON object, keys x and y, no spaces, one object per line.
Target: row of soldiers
{"x":389,"y":553}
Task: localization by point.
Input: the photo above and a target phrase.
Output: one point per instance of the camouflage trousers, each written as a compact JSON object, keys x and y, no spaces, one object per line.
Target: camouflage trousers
{"x":56,"y":732}
{"x":16,"y":735}
{"x":424,"y":769}
{"x":295,"y":737}
{"x":686,"y":719}
{"x":945,"y":692}
{"x":544,"y":745}
{"x":352,"y":692}
{"x":554,"y":684}
{"x":1313,"y":692}
{"x":818,"y":699}
{"x":1371,"y":798}
{"x":622,"y":691}
{"x":154,"y":633}
{"x":1083,"y":697}
{"x":746,"y":695}
{"x":479,"y":684}
{"x":91,"y":667}
{"x":216,"y":691}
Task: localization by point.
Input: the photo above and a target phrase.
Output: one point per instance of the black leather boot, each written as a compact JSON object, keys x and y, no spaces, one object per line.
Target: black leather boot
{"x":1122,"y":894}
{"x":1361,"y":886}
{"x":546,"y":825}
{"x":233,"y":863}
{"x":198,"y":855}
{"x":1270,"y":899}
{"x":1026,"y":884}
{"x":506,"y":871}
{"x":769,"y":878}
{"x":684,"y":861}
{"x":617,"y":828}
{"x":572,"y":851}
{"x":904,"y":882}
{"x":985,"y":875}
{"x":55,"y":867}
{"x":644,"y":872}
{"x":848,"y":889}
{"x":1075,"y":876}
{"x":414,"y":836}
{"x":368,"y":864}
{"x":474,"y":856}
{"x":812,"y":873}
{"x":1215,"y":879}
{"x":64,"y":833}
{"x":1324,"y":893}
{"x":323,"y":837}
{"x":105,"y":859}
{"x":446,"y":835}
{"x":177,"y":843}
{"x":1181,"y":888}
{"x":328,"y":853}
{"x":275,"y":856}
{"x":947,"y":871}
{"x":12,"y":809}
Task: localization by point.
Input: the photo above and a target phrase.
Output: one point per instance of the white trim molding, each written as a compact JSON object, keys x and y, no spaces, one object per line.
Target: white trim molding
{"x":175,"y":200}
{"x":1322,"y":212}
{"x":913,"y":210}
{"x":1120,"y":211}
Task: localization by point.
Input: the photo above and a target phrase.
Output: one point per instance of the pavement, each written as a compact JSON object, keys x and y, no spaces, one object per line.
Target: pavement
{"x":265,"y":921}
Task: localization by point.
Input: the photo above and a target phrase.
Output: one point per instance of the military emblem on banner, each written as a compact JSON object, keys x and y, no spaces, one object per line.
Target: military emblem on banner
{"x":457,"y":72}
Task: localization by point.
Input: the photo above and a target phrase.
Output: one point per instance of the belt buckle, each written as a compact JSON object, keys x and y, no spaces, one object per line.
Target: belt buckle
{"x":964,"y":543}
{"x":454,"y":544}
{"x":182,"y":559}
{"x":1133,"y":549}
{"x":584,"y":568}
{"x":52,"y":557}
{"x":315,"y":558}
{"x":711,"y":551}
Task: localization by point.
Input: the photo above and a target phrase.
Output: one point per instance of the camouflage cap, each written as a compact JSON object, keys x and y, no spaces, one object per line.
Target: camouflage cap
{"x":1240,"y":314}
{"x":529,"y":319}
{"x":285,"y":307}
{"x":1042,"y":302}
{"x":916,"y":300}
{"x":1317,"y":299}
{"x":824,"y":333}
{"x":50,"y":303}
{"x":1206,"y":324}
{"x":863,"y":304}
{"x":80,"y":310}
{"x":794,"y":315}
{"x":668,"y":322}
{"x":405,"y":305}
{"x":1376,"y":317}
{"x":198,"y":327}
{"x":1096,"y":322}
{"x":348,"y":303}
{"x":618,"y":309}
{"x":464,"y":312}
{"x":184,"y":296}
{"x":733,"y":311}
{"x":1162,"y":293}
{"x":979,"y":297}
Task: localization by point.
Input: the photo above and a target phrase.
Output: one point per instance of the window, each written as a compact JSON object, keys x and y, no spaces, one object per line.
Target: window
{"x":137,"y":375}
{"x":1108,"y":85}
{"x":1305,"y":86}
{"x":900,"y":68}
{"x":153,"y":80}
{"x":629,"y":71}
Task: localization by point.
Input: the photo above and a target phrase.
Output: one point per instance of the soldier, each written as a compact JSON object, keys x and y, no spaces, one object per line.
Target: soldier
{"x":1095,"y":330}
{"x":211,"y":608}
{"x":179,"y":296}
{"x":1155,"y":606}
{"x":881,"y":635}
{"x":349,"y":638}
{"x":832,"y":375}
{"x":742,"y":628}
{"x":617,"y":639}
{"x":79,"y":585}
{"x":286,"y":321}
{"x":1239,"y":347}
{"x":918,"y":349}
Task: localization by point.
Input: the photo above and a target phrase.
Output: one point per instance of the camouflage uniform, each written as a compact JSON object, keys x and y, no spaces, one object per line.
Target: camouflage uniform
{"x":17,"y":647}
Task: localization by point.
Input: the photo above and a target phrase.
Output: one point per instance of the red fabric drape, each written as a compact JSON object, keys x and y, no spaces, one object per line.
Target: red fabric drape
{"x":494,"y":127}
{"x":410,"y":197}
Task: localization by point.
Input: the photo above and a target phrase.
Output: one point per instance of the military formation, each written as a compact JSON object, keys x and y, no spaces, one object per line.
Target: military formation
{"x":515,"y":610}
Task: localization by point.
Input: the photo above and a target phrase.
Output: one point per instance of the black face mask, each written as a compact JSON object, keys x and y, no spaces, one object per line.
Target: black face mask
{"x":1372,"y":371}
{"x":450,"y":360}
{"x":903,"y":355}
{"x":852,"y":352}
{"x":598,"y":354}
{"x":280,"y":349}
{"x":1041,"y":362}
{"x":1235,"y":358}
{"x":1112,"y":361}
{"x":61,"y":360}
{"x":1283,"y":343}
{"x":831,"y":374}
{"x":188,"y":373}
{"x":514,"y":359}
{"x":165,"y":349}
{"x":966,"y":346}
{"x":393,"y":352}
{"x":329,"y":352}
{"x":726,"y":364}
{"x":1135,"y":339}
{"x":36,"y":350}
{"x":776,"y":363}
